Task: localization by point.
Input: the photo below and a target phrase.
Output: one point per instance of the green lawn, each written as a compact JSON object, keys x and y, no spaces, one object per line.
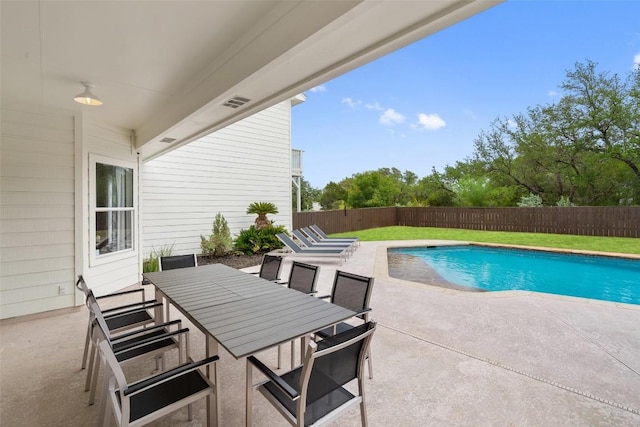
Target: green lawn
{"x":563,"y":241}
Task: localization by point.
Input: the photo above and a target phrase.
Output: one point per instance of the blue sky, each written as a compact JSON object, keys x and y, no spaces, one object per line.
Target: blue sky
{"x":422,"y":106}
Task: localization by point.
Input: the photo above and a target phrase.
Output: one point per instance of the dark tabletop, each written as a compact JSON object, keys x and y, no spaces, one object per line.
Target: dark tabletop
{"x":244,"y":313}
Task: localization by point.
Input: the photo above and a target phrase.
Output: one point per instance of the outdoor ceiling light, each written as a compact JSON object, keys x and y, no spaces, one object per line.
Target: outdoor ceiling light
{"x":87,"y":97}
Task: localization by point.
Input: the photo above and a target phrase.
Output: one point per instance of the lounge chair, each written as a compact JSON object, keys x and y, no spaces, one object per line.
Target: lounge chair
{"x":323,"y":236}
{"x":322,"y":245}
{"x":340,"y":253}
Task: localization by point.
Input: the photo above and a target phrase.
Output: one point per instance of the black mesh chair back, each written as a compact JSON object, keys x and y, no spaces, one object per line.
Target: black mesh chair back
{"x":351,"y":291}
{"x":177,"y":261}
{"x":303,"y":277}
{"x":141,"y":402}
{"x":338,"y":367}
{"x":270,"y":267}
{"x":315,"y":391}
{"x":118,"y":317}
{"x":131,"y":345}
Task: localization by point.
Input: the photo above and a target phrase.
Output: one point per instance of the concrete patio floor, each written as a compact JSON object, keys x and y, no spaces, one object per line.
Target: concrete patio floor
{"x":441,"y":358}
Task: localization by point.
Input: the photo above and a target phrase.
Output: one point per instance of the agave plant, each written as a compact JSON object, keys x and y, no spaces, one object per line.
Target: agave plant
{"x":262,"y":209}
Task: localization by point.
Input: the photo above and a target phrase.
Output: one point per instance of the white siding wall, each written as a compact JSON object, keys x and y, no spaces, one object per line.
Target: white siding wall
{"x":110,"y":272}
{"x":246,"y":162}
{"x":37,"y":210}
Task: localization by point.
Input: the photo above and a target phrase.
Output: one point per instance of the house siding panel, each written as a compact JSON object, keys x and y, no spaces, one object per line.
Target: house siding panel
{"x":224,"y":172}
{"x":37,"y":210}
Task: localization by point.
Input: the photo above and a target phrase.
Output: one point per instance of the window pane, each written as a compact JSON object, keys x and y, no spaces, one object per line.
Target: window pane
{"x":114,"y":186}
{"x":114,"y":231}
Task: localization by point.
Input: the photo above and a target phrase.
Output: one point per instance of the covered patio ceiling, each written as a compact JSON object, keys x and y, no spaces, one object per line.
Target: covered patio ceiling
{"x":165,"y":69}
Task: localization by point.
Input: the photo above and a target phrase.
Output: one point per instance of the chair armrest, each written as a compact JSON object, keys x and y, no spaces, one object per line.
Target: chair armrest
{"x":363,"y":311}
{"x":115,"y":294}
{"x":136,"y":305}
{"x":146,"y":330}
{"x":168,"y":375}
{"x":141,"y":307}
{"x":151,"y":340}
{"x":279,"y":382}
{"x":324,"y":296}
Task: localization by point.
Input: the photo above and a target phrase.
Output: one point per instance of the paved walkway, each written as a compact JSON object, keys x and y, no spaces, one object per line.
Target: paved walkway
{"x":441,"y":358}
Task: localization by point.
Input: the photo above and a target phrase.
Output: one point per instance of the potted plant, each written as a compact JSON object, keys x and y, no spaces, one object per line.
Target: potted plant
{"x":262,"y":209}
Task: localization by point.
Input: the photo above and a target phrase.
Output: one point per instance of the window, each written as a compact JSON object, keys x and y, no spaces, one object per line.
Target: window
{"x":113,"y":207}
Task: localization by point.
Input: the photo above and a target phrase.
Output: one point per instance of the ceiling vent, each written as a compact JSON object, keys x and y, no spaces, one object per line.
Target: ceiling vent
{"x":167,"y":140}
{"x":236,"y":101}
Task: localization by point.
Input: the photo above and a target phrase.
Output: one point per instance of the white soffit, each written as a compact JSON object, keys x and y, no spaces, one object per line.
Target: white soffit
{"x":164,"y":69}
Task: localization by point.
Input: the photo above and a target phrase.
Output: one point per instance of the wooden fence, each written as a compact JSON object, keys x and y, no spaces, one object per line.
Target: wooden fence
{"x":588,"y":221}
{"x":347,"y":220}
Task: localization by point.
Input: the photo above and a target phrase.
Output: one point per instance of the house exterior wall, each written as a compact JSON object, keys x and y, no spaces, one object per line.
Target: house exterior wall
{"x":45,"y":209}
{"x":224,"y":172}
{"x":37,"y":210}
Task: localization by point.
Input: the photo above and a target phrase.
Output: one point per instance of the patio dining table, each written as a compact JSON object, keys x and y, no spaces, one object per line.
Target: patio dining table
{"x":243,"y":313}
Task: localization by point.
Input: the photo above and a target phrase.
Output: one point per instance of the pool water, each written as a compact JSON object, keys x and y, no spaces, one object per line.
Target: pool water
{"x":501,"y":269}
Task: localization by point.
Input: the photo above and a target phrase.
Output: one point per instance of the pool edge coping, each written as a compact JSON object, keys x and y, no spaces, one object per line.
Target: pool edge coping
{"x":381,"y":269}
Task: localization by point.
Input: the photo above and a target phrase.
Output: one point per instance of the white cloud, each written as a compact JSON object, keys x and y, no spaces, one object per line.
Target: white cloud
{"x":552,"y":93}
{"x":319,"y":88}
{"x":636,"y":62}
{"x":376,"y":107}
{"x":430,"y":121}
{"x":351,"y":103}
{"x":391,"y":116}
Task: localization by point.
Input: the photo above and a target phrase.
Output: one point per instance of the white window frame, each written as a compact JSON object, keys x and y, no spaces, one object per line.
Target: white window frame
{"x":95,"y":258}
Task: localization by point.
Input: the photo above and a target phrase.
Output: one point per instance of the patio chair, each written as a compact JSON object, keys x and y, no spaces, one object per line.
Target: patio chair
{"x":118,"y":318}
{"x":324,"y":236}
{"x":302,"y":278}
{"x":340,"y":253}
{"x":177,"y":261}
{"x":350,"y":291}
{"x":313,"y":235}
{"x":314,"y":392}
{"x":322,"y":245}
{"x":270,"y":267}
{"x":139,"y":403}
{"x":129,"y":346}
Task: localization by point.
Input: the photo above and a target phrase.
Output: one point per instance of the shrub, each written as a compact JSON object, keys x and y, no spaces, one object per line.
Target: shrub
{"x":252,"y":240}
{"x":530,"y":201}
{"x":219,"y":243}
{"x":564,"y":202}
{"x":149,"y":265}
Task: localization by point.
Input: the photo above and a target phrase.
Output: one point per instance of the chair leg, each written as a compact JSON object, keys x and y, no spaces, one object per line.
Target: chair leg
{"x":106,"y":420}
{"x":279,"y":356}
{"x":94,"y":350}
{"x":363,"y":408}
{"x":249,"y":395}
{"x":94,"y":382}
{"x":293,"y":353}
{"x":363,"y":414}
{"x":104,"y":399}
{"x":86,"y":346}
{"x":370,"y":364}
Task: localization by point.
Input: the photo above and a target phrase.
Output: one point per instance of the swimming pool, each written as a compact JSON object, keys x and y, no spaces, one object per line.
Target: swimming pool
{"x":478,"y":268}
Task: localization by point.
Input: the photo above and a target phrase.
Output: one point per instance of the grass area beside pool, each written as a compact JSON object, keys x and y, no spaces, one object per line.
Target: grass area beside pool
{"x":625,"y":245}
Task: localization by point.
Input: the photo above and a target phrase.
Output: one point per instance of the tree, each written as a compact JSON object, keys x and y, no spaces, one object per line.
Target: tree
{"x":308,"y":195}
{"x":262,"y":209}
{"x":333,"y":196}
{"x":373,"y":189}
{"x":586,"y":147}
